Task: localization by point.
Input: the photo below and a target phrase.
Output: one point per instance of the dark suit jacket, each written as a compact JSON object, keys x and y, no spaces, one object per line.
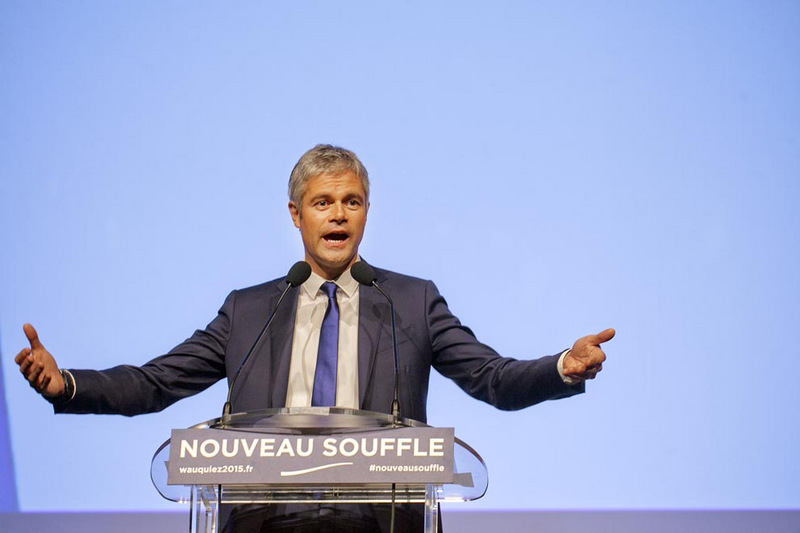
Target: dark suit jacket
{"x":428,"y":336}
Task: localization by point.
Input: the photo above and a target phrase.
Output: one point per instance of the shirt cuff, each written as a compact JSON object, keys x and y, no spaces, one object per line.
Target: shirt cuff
{"x":566,"y":379}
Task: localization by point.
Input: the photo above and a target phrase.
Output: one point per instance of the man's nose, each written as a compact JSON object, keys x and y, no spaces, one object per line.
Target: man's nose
{"x":338,"y":212}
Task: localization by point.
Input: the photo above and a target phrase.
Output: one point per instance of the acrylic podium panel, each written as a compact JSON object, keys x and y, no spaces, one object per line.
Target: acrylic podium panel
{"x":470,"y":474}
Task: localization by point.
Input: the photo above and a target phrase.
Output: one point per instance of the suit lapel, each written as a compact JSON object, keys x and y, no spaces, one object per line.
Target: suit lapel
{"x":373,"y":314}
{"x":280,"y":345}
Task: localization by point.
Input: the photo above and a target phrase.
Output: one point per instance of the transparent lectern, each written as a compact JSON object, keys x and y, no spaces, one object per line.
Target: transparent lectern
{"x":328,"y":427}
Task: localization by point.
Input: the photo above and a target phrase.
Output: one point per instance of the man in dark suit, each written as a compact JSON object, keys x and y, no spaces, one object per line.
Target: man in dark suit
{"x":295,"y":365}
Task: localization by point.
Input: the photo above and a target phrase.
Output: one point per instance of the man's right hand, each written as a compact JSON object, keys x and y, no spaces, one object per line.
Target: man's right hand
{"x":39,"y":367}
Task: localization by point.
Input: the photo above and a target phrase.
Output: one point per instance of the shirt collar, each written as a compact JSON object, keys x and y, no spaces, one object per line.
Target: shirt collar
{"x":345,"y":282}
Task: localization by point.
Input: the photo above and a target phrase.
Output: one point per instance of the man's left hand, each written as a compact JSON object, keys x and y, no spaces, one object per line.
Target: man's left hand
{"x":586,"y":358}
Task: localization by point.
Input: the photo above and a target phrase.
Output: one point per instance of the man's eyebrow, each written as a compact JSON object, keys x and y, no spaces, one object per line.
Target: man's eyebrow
{"x":318,"y":196}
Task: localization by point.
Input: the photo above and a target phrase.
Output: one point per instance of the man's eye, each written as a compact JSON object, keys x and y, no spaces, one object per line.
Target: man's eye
{"x":322,"y":203}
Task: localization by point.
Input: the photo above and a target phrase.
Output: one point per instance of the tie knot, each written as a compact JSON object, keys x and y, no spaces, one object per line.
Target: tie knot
{"x":329,"y":288}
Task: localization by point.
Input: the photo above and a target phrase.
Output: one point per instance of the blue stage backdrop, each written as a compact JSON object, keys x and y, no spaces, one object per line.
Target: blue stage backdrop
{"x":555,"y":167}
{"x":8,"y":487}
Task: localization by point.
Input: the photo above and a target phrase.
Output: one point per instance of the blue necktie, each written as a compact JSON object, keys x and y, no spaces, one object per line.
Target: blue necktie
{"x":327,"y":355}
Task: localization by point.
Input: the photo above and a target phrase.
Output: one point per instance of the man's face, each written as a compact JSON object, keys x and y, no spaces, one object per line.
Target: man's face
{"x":331,"y":220}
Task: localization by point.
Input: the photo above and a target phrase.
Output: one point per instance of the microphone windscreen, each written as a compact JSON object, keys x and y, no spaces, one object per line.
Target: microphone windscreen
{"x":363,"y":273}
{"x":298,"y":274}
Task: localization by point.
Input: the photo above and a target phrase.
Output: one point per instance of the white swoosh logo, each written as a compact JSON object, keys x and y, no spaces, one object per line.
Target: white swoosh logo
{"x":313,"y":469}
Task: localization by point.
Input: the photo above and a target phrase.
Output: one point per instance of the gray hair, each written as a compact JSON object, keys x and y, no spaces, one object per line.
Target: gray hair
{"x":323,"y":159}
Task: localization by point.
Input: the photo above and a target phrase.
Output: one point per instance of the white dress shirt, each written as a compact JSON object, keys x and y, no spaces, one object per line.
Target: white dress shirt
{"x":311,"y":306}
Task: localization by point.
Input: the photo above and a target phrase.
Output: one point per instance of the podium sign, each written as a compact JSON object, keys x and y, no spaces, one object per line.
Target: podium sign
{"x":414,"y":455}
{"x":315,"y":455}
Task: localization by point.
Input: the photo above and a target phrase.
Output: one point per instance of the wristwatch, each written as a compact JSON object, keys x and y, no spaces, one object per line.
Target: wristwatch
{"x":69,"y":389}
{"x":69,"y":384}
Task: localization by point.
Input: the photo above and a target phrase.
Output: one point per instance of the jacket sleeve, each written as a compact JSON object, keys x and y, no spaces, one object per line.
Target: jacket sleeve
{"x":189,"y":368}
{"x":503,"y":382}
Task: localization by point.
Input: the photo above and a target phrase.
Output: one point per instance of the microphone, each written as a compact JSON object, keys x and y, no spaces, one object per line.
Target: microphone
{"x":365,"y":275}
{"x":297,"y":275}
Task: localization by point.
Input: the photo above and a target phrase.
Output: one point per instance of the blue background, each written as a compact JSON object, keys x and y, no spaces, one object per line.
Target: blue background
{"x":585,"y":165}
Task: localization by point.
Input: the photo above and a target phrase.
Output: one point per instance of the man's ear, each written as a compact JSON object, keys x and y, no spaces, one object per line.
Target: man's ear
{"x":295,"y":212}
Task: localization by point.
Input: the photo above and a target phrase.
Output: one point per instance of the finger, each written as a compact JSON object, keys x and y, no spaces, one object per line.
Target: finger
{"x":591,"y":373}
{"x":605,"y":335}
{"x":578,"y":371}
{"x":596,"y":357}
{"x":25,"y":365}
{"x":20,"y":358}
{"x":43,"y":383}
{"x":33,"y":375}
{"x":33,"y":337}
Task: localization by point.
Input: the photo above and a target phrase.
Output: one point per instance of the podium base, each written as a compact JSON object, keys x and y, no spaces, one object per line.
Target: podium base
{"x":210,"y":517}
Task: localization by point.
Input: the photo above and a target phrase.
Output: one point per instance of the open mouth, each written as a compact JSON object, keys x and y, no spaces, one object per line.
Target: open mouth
{"x":335,"y":237}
